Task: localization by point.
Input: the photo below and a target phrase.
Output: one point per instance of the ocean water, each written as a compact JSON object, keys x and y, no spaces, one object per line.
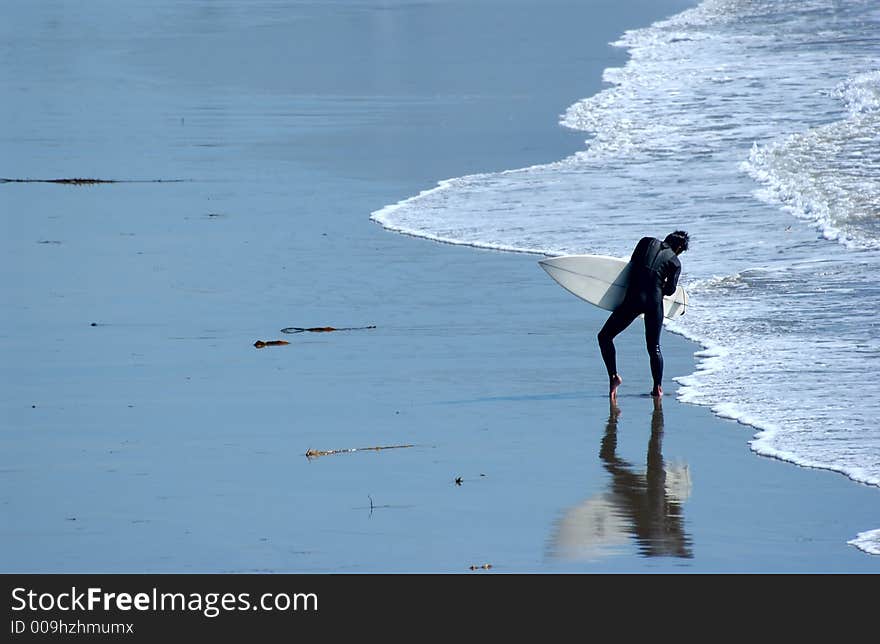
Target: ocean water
{"x":754,"y":125}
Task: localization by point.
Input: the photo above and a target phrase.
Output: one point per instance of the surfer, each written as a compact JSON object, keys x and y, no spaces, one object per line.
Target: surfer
{"x":654,"y":272}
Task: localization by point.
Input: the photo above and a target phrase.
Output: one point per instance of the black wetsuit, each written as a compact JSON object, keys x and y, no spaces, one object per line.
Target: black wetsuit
{"x":654,"y":271}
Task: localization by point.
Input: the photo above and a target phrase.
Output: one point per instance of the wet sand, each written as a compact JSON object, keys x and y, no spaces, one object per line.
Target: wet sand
{"x":143,"y":430}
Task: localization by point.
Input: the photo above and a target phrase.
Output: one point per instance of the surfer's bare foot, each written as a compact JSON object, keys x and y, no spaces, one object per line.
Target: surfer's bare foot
{"x":614,"y":383}
{"x":657,"y":391}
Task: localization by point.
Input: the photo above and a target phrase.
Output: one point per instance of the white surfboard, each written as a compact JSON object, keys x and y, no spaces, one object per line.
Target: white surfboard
{"x":602,"y":280}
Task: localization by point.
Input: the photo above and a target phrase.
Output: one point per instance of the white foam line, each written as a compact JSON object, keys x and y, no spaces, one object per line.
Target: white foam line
{"x":710,"y":359}
{"x":867,"y":542}
{"x":383,"y":217}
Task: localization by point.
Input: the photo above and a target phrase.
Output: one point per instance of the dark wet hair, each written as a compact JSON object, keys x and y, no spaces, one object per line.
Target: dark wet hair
{"x":678,"y":241}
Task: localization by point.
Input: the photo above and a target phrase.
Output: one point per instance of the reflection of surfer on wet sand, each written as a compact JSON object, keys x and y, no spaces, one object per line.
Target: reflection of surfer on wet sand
{"x":647,"y":507}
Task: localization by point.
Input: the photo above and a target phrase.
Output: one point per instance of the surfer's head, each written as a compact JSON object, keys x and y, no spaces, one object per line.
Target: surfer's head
{"x":678,"y":241}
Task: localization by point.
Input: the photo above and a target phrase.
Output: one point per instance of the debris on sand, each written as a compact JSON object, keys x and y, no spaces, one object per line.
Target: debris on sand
{"x":459,"y":480}
{"x":323,"y":329}
{"x":80,"y":181}
{"x":77,"y":181}
{"x":486,"y":566}
{"x":315,"y":453}
{"x":259,"y":344}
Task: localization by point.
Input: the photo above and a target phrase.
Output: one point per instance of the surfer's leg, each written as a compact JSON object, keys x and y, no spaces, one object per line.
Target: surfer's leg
{"x":653,"y":327}
{"x":617,"y":322}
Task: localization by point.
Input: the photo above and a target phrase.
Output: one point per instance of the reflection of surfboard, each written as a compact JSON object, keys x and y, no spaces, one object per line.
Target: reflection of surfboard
{"x":601,"y":280}
{"x":591,"y":530}
{"x":602,"y":525}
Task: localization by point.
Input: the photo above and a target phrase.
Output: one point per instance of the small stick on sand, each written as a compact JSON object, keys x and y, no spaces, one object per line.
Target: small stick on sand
{"x":315,"y":453}
{"x":323,"y":329}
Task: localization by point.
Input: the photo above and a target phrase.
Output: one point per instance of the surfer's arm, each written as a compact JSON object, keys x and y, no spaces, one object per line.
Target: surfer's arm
{"x":671,"y":282}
